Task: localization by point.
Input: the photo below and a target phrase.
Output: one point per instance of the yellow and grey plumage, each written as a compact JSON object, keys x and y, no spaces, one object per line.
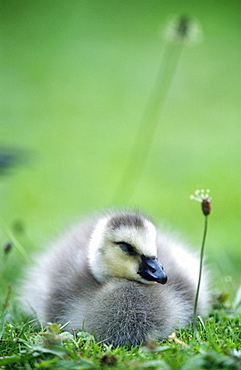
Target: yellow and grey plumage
{"x":106,"y":276}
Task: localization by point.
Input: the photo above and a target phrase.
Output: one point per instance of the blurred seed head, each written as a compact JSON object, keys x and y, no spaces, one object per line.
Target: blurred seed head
{"x":12,"y":157}
{"x":8,"y":247}
{"x":203,"y":197}
{"x":207,"y":206}
{"x":183,"y":30}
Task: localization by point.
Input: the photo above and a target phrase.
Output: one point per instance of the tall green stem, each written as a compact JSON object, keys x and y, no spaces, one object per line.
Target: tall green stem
{"x":148,"y":124}
{"x":200,"y":275}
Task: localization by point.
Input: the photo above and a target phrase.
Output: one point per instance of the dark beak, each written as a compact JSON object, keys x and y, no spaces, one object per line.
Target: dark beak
{"x":151,"y":269}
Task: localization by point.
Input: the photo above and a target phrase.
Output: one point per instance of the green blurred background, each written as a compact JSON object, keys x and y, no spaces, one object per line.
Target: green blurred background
{"x":75,"y":79}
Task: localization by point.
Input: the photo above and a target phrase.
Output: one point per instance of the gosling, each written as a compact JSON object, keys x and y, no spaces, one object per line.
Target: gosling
{"x":105,"y":276}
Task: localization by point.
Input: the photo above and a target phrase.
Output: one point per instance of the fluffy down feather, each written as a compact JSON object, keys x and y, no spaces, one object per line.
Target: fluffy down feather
{"x":91,"y":278}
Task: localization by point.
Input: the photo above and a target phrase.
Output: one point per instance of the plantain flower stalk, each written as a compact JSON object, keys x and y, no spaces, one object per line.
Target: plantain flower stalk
{"x":203,"y":197}
{"x":179,"y":32}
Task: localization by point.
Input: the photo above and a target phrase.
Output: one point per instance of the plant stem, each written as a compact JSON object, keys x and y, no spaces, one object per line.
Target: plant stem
{"x":200,"y":275}
{"x":148,"y":124}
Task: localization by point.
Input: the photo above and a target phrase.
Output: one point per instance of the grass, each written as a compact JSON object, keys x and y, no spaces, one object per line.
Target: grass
{"x":218,"y":346}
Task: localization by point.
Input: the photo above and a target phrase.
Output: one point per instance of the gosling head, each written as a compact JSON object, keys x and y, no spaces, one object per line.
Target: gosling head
{"x":123,"y":245}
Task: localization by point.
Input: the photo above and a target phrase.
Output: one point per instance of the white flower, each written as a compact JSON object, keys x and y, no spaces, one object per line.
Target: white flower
{"x":200,"y":195}
{"x":203,"y":197}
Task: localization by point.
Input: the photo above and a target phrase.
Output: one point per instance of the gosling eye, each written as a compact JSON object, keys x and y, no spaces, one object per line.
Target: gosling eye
{"x":127,"y":248}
